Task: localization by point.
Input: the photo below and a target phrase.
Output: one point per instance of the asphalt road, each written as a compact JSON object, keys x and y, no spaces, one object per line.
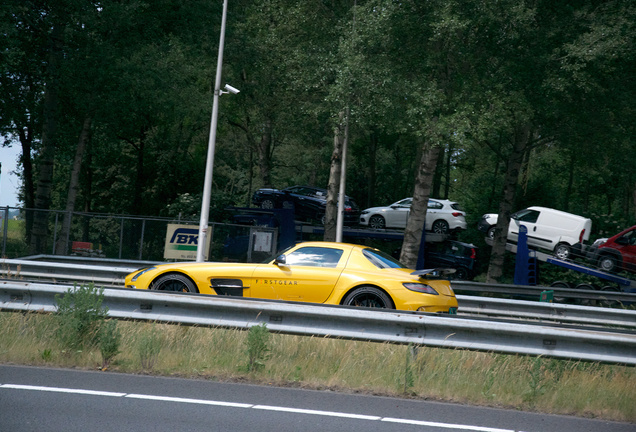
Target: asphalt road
{"x":41,"y":399}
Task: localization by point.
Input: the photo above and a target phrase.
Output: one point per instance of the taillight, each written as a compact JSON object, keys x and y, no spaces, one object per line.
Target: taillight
{"x":419,"y":287}
{"x":457,"y":214}
{"x":473,"y":253}
{"x":581,"y":236}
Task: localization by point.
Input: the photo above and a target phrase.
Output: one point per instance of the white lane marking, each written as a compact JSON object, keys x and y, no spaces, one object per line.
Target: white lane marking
{"x":63,"y":390}
{"x":444,"y":425}
{"x":316,"y":412}
{"x":260,"y":407}
{"x":187,"y":400}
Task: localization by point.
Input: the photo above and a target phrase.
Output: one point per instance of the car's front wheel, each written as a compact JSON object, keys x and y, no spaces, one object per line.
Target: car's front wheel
{"x":267,"y":204}
{"x":368,"y":297}
{"x":377,"y":222}
{"x":491,"y":232}
{"x":608,"y":263}
{"x":174,"y":282}
{"x":562,"y":251}
{"x":440,"y":227}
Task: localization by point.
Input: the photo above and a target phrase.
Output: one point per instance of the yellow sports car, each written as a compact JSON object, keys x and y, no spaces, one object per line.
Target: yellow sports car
{"x":317,"y":272}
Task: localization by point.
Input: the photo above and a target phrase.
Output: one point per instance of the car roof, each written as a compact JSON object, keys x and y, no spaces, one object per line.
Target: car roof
{"x":333,"y":244}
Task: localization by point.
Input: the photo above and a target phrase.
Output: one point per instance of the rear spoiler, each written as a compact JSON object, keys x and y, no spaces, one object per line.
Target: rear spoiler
{"x":434,"y":273}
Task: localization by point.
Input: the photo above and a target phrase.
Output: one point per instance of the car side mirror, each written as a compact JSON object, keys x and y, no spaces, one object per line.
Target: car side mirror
{"x":622,"y":241}
{"x":280,"y":259}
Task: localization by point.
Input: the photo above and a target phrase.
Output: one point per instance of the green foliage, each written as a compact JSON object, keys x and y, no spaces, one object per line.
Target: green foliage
{"x":148,"y":347}
{"x":46,"y":355}
{"x":257,"y":344}
{"x":490,"y":68}
{"x":80,"y":316}
{"x":109,"y":342}
{"x":409,"y":378}
{"x":538,"y":379}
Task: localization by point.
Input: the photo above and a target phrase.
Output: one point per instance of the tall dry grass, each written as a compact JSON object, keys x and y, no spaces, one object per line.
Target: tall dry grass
{"x":539,"y":384}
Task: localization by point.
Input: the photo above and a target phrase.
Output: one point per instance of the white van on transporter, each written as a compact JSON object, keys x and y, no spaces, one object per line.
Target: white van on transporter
{"x":554,"y":230}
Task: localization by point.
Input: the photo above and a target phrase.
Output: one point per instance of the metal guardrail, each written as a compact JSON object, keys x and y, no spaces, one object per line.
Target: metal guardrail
{"x":442,"y":331}
{"x":110,"y":271}
{"x":110,"y":274}
{"x":65,"y":272}
{"x":534,"y":291}
{"x":532,"y":310}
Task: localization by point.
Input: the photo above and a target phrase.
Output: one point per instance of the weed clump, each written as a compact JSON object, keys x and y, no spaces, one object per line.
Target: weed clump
{"x":82,"y":322}
{"x":257,"y":347}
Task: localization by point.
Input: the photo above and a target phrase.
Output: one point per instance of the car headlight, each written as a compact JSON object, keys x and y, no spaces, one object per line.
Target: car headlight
{"x":364,"y":212}
{"x":419,"y":287}
{"x":134,"y":278}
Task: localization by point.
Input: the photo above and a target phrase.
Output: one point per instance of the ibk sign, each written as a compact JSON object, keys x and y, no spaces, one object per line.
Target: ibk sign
{"x":182,"y":242}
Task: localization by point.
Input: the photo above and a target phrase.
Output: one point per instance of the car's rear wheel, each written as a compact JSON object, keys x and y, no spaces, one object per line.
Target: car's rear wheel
{"x":608,"y":263}
{"x":267,"y":204}
{"x":368,"y":297}
{"x":174,"y":282}
{"x":562,"y":251}
{"x":440,"y":227}
{"x":377,"y":222}
{"x":461,"y":273}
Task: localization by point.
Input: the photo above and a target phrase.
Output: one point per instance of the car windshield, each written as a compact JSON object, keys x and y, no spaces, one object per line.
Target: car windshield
{"x":381,"y":260}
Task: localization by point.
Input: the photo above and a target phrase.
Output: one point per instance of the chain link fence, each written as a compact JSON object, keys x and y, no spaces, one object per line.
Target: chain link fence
{"x":122,"y":236}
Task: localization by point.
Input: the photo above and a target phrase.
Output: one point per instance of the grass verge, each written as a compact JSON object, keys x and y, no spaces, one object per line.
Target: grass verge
{"x":526,"y":383}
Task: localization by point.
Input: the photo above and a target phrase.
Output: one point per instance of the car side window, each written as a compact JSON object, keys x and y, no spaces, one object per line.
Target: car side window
{"x":528,"y":216}
{"x":314,"y":257}
{"x":435,"y":205}
{"x":630,"y":237}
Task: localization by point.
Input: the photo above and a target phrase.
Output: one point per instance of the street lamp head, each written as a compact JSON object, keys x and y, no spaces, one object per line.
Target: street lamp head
{"x":231,"y":89}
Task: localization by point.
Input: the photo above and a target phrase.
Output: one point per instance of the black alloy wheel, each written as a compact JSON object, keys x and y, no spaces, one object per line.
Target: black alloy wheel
{"x":368,"y":297}
{"x":267,"y":204}
{"x":377,"y":222}
{"x":440,"y":227}
{"x":174,"y":282}
{"x":461,"y":273}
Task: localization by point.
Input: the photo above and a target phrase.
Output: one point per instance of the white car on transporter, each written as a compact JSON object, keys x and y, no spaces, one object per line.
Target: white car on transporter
{"x":442,"y":216}
{"x":560,"y":232}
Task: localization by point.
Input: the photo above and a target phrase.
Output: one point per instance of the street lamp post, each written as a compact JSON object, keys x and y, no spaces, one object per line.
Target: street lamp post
{"x":343,"y":179}
{"x":209,"y":166}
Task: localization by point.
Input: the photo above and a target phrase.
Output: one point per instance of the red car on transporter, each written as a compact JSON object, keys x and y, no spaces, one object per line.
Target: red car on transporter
{"x":615,"y":253}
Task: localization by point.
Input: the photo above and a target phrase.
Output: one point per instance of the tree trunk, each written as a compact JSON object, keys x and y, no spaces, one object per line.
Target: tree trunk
{"x":417,"y":218}
{"x":87,"y":195}
{"x":264,"y":157}
{"x":569,"y":188}
{"x":331,"y":212}
{"x":61,"y":248}
{"x":28,"y":188}
{"x":373,"y":148}
{"x":39,"y":234}
{"x":515,"y":160}
{"x":449,"y":158}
